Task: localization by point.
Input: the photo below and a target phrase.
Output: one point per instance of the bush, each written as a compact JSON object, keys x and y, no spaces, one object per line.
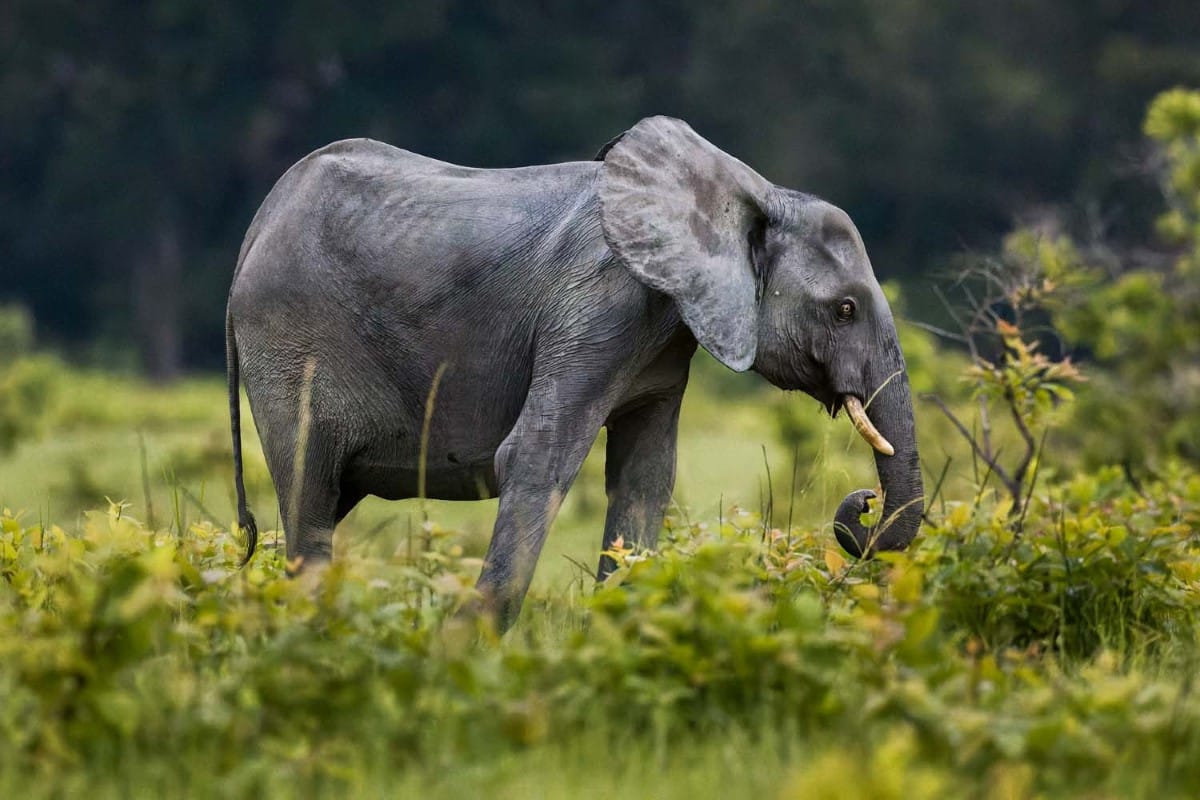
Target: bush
{"x":16,"y":333}
{"x":1135,"y":316}
{"x":980,"y":648}
{"x":27,"y":386}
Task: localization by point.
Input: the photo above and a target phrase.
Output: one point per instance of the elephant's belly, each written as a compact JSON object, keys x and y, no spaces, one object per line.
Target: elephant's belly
{"x":394,"y":455}
{"x":442,"y":481}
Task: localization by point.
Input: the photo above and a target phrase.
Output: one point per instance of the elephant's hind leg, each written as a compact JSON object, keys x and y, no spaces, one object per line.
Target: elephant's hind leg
{"x":310,"y":501}
{"x":639,"y":474}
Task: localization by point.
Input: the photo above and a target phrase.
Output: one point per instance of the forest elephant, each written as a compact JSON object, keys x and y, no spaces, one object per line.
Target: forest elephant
{"x":534,"y":306}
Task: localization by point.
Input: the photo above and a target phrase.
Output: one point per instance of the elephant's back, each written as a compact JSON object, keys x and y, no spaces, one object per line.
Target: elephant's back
{"x":366,"y":207}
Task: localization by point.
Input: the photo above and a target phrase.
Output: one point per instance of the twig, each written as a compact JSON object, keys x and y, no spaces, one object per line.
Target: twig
{"x":1032,"y":482}
{"x":946,"y":304}
{"x":987,"y":458}
{"x":584,"y":569}
{"x":937,"y":489}
{"x":985,"y":425}
{"x":1027,"y":437}
{"x":936,"y":331}
{"x":191,"y":498}
{"x":993,"y":467}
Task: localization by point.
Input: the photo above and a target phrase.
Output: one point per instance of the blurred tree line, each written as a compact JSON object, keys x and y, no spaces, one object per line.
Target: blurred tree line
{"x":137,"y":138}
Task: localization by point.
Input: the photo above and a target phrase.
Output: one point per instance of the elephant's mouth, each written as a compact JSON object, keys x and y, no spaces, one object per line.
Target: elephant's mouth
{"x":853,"y":405}
{"x":862,"y":423}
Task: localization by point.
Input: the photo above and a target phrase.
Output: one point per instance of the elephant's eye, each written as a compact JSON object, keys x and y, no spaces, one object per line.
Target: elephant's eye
{"x":845,"y":311}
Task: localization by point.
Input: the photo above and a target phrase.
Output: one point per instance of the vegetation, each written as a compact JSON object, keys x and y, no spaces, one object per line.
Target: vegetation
{"x":1050,"y":661}
{"x":1040,"y":638}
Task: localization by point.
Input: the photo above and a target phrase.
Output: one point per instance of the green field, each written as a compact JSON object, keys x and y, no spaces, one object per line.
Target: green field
{"x":746,"y":658}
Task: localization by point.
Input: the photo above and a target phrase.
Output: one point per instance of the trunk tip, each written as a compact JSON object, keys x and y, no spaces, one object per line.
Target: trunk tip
{"x":851,"y":534}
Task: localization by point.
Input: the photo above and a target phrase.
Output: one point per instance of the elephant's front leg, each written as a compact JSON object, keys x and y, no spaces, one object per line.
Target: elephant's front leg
{"x":535,"y":466}
{"x":639,"y":474}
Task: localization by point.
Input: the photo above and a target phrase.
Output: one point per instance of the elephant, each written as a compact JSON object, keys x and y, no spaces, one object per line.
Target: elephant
{"x":405,"y":327}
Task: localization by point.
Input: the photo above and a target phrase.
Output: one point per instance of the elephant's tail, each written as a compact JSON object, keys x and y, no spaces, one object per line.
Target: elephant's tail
{"x":233,"y":373}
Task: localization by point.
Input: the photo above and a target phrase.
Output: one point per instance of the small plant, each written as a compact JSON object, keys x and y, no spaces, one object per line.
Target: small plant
{"x":1009,"y":375}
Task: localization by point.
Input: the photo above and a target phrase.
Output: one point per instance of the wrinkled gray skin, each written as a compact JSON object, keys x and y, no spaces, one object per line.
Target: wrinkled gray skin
{"x":554,"y":300}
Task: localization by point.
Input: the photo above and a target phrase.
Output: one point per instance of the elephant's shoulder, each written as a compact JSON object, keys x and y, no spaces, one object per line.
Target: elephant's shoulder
{"x":369,"y":157}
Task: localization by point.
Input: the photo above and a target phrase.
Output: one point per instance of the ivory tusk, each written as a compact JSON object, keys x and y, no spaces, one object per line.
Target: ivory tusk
{"x":864,"y":427}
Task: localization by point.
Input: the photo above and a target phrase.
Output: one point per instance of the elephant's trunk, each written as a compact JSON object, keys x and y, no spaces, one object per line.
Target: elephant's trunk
{"x":890,"y":411}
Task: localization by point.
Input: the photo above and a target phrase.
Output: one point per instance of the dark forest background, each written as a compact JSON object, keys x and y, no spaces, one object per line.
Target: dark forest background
{"x":137,"y":138}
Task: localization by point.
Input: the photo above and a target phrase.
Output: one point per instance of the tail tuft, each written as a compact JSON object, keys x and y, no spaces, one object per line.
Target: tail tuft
{"x":249,"y":527}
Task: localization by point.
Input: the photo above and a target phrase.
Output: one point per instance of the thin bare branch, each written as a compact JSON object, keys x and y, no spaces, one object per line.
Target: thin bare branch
{"x":950,"y":309}
{"x":985,"y":425}
{"x":1032,"y":483}
{"x":966,"y":434}
{"x":1027,"y":437}
{"x":937,"y":488}
{"x":936,"y":331}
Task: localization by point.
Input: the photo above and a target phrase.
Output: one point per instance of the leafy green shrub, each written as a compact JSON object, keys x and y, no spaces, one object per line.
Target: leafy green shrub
{"x":16,"y":333}
{"x":27,"y":387}
{"x":709,"y":627}
{"x":1096,"y":564}
{"x":979,"y":650}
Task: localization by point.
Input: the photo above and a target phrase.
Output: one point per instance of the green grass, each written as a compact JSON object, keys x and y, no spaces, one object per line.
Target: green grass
{"x":588,"y":764}
{"x":746,"y":658}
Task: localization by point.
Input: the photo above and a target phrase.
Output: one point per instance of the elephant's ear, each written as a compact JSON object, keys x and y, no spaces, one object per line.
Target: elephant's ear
{"x":681,"y":214}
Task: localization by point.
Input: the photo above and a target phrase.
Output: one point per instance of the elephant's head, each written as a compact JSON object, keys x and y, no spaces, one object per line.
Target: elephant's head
{"x":775,"y":280}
